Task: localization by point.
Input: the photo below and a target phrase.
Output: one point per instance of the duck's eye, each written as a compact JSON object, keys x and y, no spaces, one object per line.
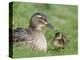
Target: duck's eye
{"x":41,"y":18}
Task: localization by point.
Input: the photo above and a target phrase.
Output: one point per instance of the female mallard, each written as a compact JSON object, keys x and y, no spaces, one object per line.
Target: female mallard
{"x":33,"y":36}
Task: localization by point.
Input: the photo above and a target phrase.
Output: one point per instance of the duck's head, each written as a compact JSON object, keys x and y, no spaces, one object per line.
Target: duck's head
{"x":38,"y":21}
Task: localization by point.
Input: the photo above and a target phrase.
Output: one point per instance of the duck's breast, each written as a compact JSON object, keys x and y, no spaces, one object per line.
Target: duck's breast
{"x":41,"y":42}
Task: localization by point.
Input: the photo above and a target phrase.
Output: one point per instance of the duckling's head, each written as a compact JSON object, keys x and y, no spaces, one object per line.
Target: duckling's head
{"x":38,"y":21}
{"x":58,"y":35}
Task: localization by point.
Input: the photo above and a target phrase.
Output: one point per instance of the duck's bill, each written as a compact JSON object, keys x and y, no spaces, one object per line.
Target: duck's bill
{"x":50,"y":26}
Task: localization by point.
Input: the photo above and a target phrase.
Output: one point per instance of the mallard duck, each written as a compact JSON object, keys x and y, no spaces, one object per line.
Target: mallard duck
{"x":33,"y":36}
{"x":60,"y":40}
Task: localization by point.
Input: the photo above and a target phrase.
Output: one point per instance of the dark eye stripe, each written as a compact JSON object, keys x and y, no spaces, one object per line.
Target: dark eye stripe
{"x":43,"y":19}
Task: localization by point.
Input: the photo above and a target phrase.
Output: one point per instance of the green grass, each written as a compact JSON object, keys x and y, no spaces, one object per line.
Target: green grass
{"x":62,"y":17}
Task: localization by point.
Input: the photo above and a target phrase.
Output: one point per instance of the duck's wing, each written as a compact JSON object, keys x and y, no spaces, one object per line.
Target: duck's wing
{"x":19,"y":34}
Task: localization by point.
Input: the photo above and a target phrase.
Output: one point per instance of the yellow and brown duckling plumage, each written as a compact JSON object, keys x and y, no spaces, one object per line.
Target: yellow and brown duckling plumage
{"x":33,"y":36}
{"x":60,"y":40}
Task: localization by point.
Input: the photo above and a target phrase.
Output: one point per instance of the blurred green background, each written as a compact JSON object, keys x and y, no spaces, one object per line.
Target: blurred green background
{"x":64,"y":19}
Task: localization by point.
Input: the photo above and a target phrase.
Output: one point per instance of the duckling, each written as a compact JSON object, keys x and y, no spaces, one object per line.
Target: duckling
{"x":33,"y":35}
{"x":59,"y":40}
